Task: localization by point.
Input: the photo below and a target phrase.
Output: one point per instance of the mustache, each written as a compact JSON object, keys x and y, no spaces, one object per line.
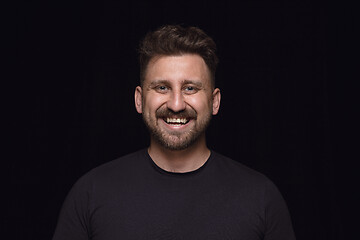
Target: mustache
{"x":168,"y":113}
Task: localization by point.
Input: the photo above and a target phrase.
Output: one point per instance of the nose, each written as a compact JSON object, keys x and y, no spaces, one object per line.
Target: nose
{"x":176,"y":102}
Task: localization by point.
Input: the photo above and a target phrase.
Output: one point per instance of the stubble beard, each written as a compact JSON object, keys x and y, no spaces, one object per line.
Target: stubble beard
{"x":175,"y":140}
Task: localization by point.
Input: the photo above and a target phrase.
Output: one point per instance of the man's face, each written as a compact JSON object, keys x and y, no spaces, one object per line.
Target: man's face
{"x":177,"y":100}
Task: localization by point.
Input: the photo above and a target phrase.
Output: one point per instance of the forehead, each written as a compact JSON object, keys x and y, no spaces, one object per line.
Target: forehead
{"x":179,"y":67}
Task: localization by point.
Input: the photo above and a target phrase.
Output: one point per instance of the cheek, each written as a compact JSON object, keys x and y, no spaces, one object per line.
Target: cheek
{"x":151,"y":104}
{"x":200,"y":103}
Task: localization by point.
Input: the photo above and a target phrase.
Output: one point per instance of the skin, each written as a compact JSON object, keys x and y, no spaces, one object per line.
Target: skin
{"x":177,"y":87}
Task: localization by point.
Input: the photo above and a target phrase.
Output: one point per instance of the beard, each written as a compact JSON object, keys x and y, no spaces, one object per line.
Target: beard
{"x":177,"y":140}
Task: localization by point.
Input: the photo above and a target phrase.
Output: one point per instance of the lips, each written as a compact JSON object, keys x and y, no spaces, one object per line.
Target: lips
{"x":174,"y":124}
{"x":176,"y":121}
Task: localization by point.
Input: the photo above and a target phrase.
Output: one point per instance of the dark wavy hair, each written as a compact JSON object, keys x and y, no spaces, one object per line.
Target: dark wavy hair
{"x":172,"y":40}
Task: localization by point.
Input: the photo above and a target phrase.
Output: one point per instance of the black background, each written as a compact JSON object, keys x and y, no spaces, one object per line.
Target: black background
{"x":76,"y":70}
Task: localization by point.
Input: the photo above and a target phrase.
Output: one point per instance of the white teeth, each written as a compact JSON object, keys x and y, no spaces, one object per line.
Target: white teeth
{"x":176,"y":120}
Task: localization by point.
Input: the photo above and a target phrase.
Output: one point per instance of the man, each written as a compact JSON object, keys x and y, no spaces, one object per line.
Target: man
{"x":176,"y":188}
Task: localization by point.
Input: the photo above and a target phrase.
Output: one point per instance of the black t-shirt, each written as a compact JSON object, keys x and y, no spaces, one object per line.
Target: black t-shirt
{"x":132,"y":198}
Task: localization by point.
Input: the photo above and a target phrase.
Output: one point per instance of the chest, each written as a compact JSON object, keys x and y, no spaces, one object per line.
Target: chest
{"x":176,"y":211}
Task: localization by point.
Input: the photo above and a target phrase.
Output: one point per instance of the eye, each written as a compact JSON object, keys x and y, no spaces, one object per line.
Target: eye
{"x":161,"y":88}
{"x":190,"y":89}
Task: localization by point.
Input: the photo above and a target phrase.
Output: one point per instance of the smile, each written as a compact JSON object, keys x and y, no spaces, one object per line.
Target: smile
{"x":176,"y":121}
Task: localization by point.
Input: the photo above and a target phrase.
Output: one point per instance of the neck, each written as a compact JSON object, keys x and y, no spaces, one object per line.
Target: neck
{"x":180,"y":161}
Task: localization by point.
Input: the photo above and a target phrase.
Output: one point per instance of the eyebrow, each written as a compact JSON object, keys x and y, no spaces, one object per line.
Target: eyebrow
{"x":157,"y":82}
{"x":184,"y":82}
{"x":194,"y":82}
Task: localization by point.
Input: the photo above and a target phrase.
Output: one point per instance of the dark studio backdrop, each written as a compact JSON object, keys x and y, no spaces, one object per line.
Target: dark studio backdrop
{"x":77,"y":68}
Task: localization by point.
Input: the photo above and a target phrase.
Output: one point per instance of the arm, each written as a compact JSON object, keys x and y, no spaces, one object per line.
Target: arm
{"x":73,"y":222}
{"x":277,"y":217}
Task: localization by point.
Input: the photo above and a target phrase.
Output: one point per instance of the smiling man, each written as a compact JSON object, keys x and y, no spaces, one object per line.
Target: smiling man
{"x":176,"y":188}
{"x":177,"y":99}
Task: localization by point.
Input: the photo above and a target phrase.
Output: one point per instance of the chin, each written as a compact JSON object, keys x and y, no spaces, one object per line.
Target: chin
{"x":176,"y":143}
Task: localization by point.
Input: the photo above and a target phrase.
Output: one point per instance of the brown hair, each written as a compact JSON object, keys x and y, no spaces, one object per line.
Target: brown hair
{"x":172,"y":40}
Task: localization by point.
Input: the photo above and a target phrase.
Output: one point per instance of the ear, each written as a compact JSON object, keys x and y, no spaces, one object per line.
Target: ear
{"x":216,"y":101}
{"x":138,"y":99}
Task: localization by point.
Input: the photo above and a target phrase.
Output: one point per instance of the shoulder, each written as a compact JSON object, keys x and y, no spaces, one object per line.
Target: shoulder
{"x":236,"y":169}
{"x":116,"y":171}
{"x":257,"y":196}
{"x":127,"y":162}
{"x":245,"y":182}
{"x":238,"y":175}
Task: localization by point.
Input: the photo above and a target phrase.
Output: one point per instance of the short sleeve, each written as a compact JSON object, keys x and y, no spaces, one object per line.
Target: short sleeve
{"x":73,"y":222}
{"x":277,"y":217}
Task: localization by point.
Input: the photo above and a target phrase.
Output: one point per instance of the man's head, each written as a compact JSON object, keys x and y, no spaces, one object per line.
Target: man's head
{"x":175,"y":40}
{"x":177,"y":96}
